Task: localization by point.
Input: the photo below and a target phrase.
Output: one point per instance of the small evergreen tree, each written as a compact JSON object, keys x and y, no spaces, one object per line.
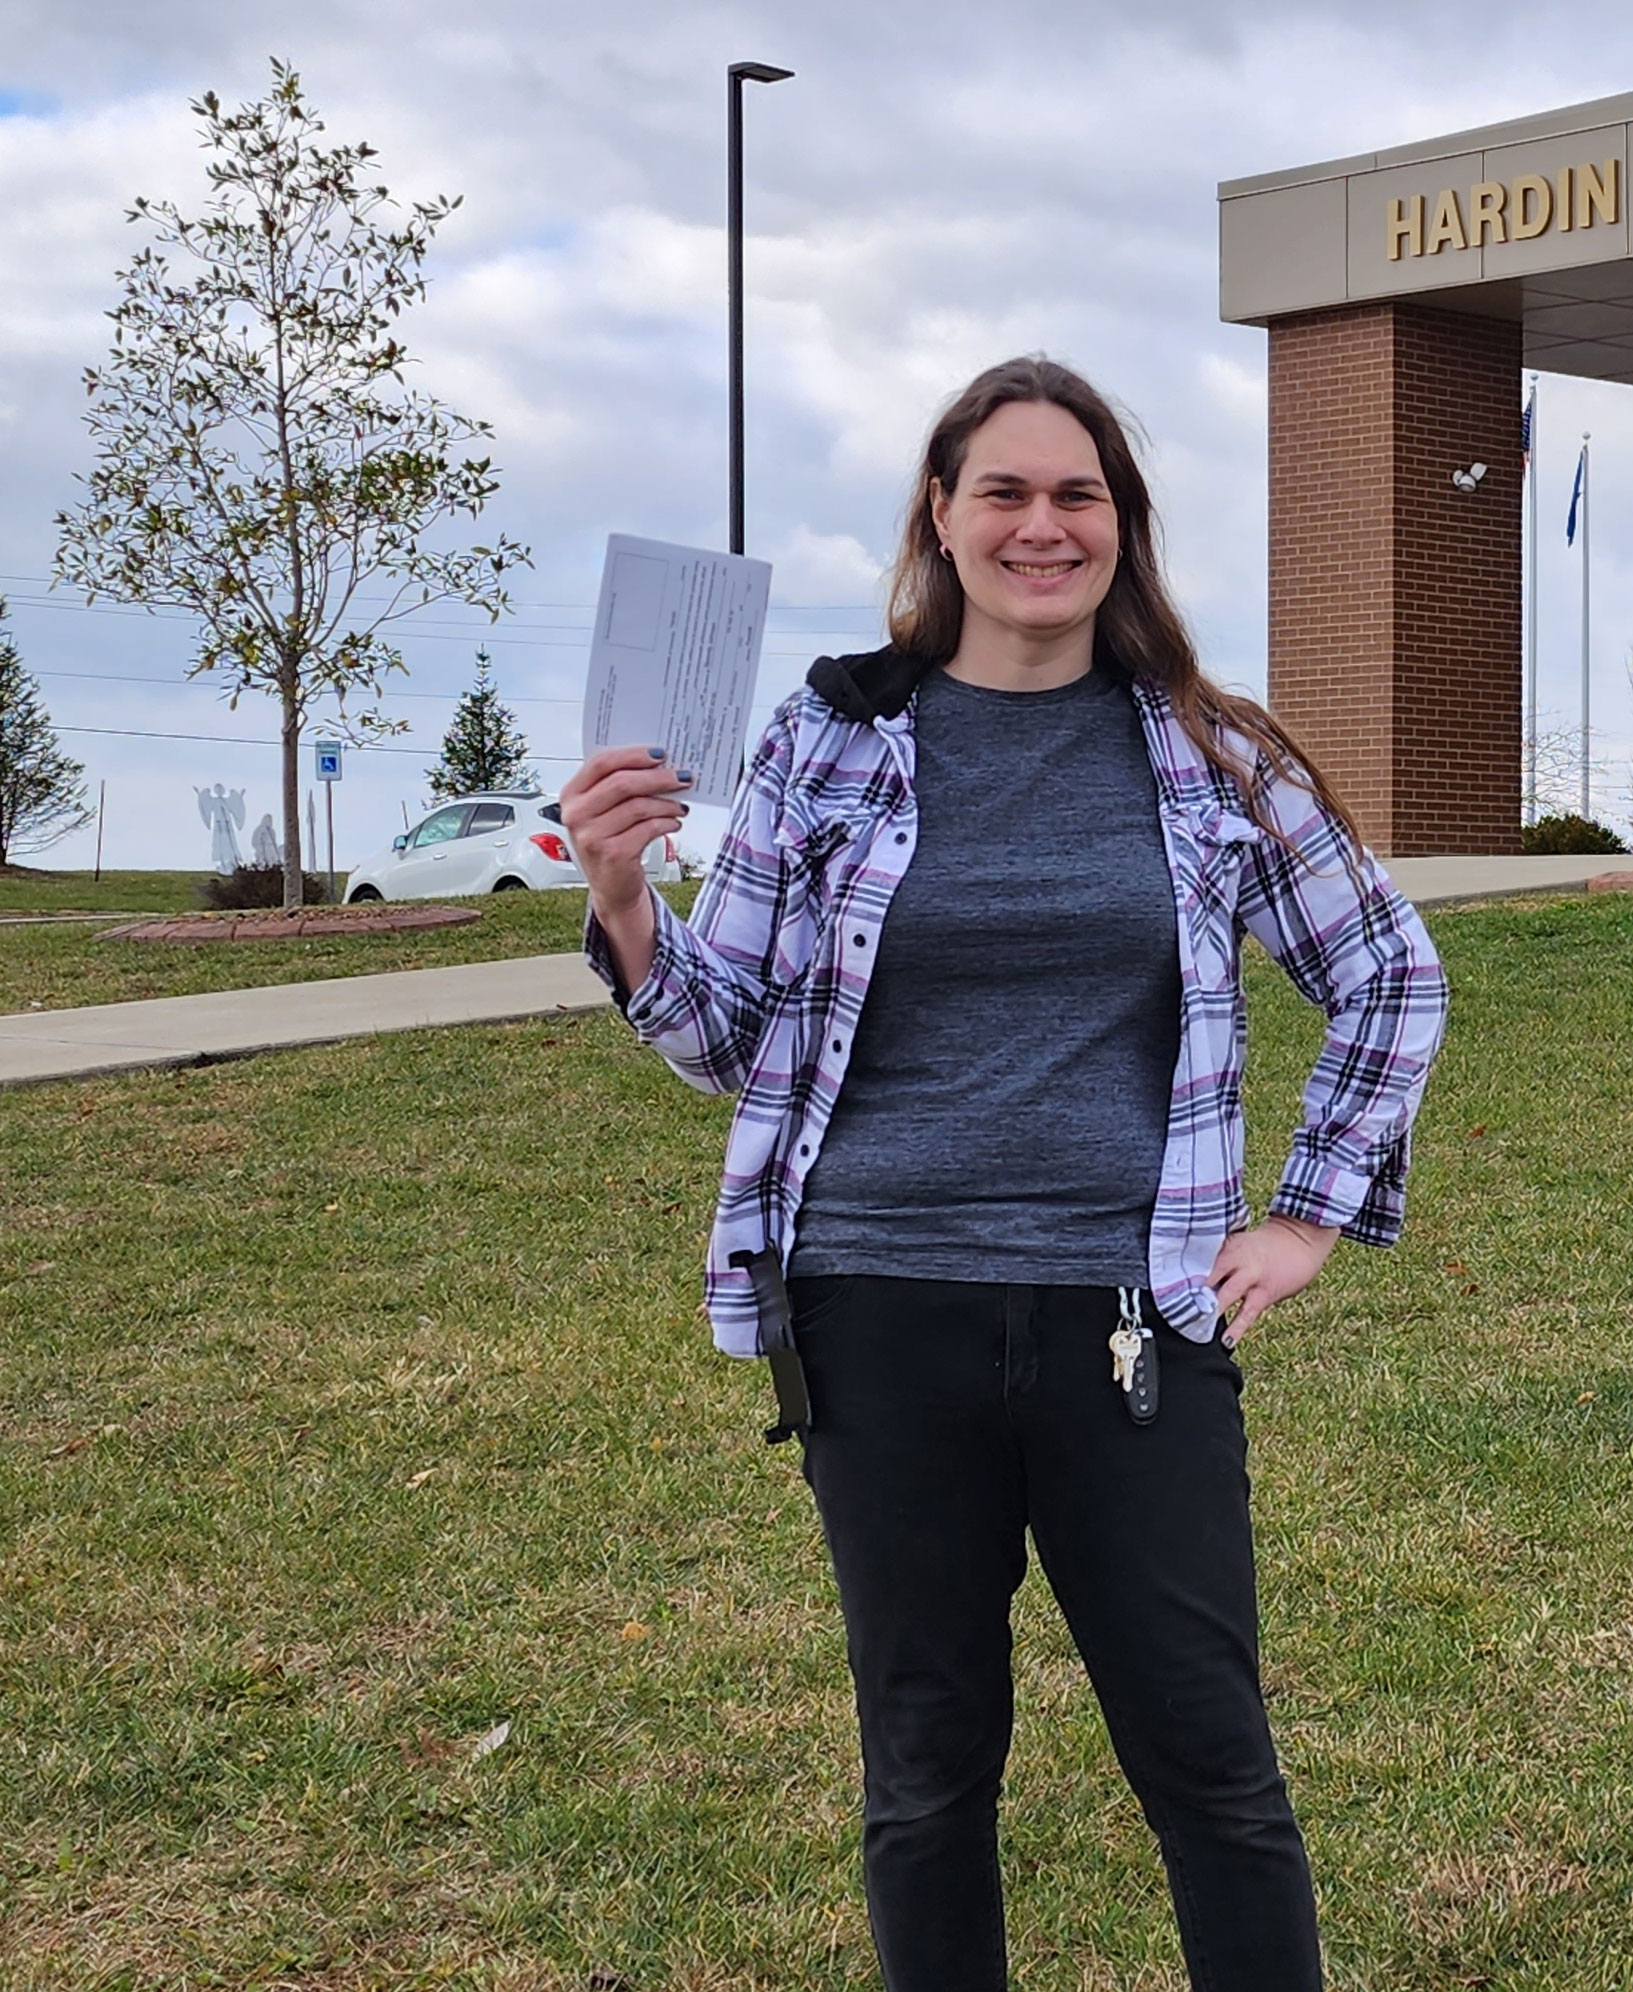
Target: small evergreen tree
{"x":42,"y":790}
{"x":481,"y":749}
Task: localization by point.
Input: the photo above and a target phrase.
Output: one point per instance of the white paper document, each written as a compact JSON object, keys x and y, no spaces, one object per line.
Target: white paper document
{"x":674,"y":657}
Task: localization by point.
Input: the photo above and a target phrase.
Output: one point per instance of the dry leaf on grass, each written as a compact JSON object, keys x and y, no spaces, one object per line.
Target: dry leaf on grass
{"x":495,"y":1739}
{"x":84,"y":1439}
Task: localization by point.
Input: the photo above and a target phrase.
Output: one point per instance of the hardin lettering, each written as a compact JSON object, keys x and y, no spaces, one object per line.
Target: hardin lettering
{"x":1516,"y":210}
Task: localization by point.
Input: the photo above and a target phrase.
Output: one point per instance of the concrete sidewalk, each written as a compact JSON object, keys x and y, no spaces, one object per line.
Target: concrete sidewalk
{"x":1450,"y":881}
{"x":200,"y":1030}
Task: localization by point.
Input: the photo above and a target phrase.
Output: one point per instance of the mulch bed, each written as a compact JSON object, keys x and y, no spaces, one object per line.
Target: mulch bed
{"x":301,"y":923}
{"x":1612,"y":882}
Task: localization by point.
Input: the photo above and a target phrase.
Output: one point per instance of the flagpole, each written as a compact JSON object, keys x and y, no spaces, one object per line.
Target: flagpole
{"x":1531,"y":620}
{"x":1586,"y":772}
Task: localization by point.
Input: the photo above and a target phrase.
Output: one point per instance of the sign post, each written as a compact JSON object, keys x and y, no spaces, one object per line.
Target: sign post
{"x":328,"y":754}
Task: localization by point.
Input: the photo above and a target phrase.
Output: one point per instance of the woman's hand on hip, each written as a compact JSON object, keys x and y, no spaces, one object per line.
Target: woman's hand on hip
{"x":1271,"y":1262}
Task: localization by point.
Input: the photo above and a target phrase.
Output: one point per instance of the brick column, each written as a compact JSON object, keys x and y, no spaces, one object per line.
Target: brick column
{"x":1395,"y":645}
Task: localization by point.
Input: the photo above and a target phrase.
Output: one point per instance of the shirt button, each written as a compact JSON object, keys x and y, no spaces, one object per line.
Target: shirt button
{"x":901,"y":836}
{"x":805,"y":1148}
{"x":839,"y":1044}
{"x":861,"y":940}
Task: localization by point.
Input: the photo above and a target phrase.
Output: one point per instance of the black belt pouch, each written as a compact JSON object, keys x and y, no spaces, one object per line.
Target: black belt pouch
{"x":776,"y":1314}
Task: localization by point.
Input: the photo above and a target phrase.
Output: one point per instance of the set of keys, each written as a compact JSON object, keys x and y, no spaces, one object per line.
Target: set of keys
{"x":1134,"y":1358}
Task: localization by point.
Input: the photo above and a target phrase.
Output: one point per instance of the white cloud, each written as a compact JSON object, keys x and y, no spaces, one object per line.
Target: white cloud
{"x":1238,"y":392}
{"x":816,"y":568}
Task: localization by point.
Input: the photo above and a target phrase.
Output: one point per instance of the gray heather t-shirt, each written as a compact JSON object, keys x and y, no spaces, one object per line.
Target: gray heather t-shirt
{"x":1005,"y":1108}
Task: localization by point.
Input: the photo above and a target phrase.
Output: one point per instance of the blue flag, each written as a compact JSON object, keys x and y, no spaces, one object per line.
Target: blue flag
{"x":1576,"y":498}
{"x":1525,"y":428}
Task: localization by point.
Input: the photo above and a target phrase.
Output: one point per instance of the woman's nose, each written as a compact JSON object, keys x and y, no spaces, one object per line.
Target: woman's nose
{"x":1040,"y":521}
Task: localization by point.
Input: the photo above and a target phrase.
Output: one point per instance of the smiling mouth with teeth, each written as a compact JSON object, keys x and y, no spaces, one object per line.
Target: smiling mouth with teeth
{"x":1042,"y":572}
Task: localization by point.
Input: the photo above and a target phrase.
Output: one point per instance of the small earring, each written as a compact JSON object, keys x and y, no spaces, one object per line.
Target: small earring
{"x":946,"y":551}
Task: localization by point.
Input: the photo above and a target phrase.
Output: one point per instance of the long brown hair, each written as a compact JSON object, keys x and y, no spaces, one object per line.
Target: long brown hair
{"x":1138,"y":633}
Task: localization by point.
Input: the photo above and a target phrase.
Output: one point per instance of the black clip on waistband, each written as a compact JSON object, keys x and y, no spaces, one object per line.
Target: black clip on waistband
{"x":764,"y":1268}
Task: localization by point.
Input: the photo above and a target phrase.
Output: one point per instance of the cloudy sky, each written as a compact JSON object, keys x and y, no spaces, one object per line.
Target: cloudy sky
{"x":940,"y":186}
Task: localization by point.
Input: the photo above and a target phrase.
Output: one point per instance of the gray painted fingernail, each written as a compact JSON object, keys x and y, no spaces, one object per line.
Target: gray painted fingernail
{"x":657,"y":753}
{"x":686,"y":775}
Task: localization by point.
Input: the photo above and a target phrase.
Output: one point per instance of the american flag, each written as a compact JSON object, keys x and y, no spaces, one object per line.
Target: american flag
{"x":1525,"y":427}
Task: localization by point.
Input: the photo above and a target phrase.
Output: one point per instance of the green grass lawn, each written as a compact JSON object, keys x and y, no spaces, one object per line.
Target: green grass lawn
{"x":54,"y":967}
{"x":354,"y":1401}
{"x":28,"y":889}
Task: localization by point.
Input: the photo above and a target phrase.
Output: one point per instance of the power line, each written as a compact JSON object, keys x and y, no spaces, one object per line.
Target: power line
{"x":169,"y":612}
{"x":239,"y":740}
{"x":418,"y":634}
{"x":563,"y":608}
{"x":201,"y":684}
{"x":124,"y":613}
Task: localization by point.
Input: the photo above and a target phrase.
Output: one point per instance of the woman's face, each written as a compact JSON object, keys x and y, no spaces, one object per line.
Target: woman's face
{"x":1031,"y":526}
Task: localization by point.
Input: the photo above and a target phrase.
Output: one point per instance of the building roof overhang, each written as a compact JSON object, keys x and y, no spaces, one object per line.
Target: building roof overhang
{"x":1526,"y":221}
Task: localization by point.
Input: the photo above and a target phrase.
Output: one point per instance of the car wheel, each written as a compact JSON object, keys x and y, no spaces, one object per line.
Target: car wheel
{"x":363,"y":892}
{"x":510,"y":885}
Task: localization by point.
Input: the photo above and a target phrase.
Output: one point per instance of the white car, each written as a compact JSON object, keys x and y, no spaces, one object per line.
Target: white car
{"x":487,"y":843}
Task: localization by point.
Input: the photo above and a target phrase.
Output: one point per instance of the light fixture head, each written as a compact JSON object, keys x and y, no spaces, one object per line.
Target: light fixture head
{"x":1469,"y":480}
{"x":759,"y":72}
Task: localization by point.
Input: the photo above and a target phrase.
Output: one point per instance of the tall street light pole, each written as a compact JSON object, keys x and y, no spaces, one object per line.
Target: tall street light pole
{"x":736,"y":75}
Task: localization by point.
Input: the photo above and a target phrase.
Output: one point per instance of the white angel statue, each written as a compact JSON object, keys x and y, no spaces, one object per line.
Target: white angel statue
{"x":220,"y":811}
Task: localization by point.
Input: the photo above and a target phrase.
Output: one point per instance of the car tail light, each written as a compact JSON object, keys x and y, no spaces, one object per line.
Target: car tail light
{"x":552,"y":846}
{"x":671,"y":851}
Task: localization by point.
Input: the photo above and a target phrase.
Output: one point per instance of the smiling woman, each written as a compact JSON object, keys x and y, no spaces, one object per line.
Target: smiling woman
{"x":1031,"y":529}
{"x":971,"y":954}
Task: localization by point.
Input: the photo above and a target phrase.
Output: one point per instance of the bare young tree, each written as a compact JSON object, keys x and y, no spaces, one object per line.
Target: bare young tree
{"x":1558,"y":824}
{"x":1559,"y":767}
{"x":260,"y":459}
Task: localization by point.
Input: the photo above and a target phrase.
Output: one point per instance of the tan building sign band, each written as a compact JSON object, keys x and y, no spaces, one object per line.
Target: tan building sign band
{"x":1525,"y":207}
{"x":1527,"y":220}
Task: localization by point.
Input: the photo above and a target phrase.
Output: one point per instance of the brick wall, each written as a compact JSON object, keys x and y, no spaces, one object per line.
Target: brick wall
{"x":1395,"y":641}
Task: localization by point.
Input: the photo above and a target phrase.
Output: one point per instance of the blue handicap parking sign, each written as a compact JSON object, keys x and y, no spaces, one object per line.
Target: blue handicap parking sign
{"x":328,"y":760}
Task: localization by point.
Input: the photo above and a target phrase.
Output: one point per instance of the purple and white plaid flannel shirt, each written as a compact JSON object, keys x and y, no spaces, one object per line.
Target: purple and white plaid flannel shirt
{"x":760,"y":992}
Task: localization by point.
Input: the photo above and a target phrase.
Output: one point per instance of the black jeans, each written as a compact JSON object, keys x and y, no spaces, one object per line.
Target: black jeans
{"x":946,"y":1420}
